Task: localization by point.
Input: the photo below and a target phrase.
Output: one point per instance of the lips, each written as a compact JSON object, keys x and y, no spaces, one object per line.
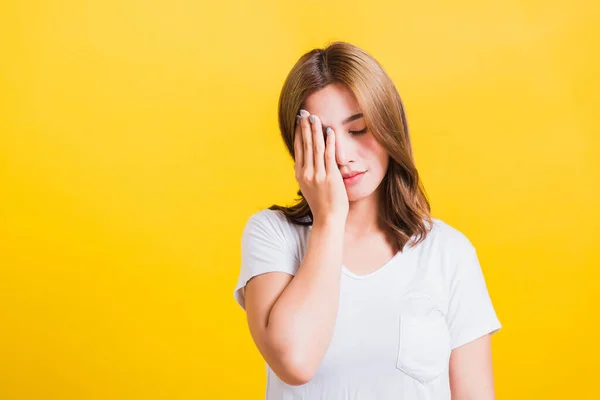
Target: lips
{"x":351,"y":174}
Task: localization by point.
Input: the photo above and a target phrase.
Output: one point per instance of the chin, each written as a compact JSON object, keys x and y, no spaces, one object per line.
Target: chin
{"x":362,"y":191}
{"x":355,"y":194}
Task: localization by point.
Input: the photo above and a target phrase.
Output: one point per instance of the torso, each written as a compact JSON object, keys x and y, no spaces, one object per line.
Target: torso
{"x":392,"y":337}
{"x":367,"y":255}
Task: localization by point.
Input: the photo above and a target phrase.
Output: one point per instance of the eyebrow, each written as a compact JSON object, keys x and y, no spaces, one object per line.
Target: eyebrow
{"x":347,"y":120}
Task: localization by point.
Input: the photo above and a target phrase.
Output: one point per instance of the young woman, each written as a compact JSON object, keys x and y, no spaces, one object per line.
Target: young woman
{"x":356,"y":292}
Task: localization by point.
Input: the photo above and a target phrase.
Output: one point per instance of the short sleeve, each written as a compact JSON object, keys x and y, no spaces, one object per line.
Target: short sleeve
{"x":471,"y":314}
{"x":265,"y":248}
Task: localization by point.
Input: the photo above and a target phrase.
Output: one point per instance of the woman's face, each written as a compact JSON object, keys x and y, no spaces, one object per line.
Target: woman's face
{"x":354,"y":151}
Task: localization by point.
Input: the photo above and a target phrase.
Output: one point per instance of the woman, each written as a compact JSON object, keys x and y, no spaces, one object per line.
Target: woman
{"x":356,"y":292}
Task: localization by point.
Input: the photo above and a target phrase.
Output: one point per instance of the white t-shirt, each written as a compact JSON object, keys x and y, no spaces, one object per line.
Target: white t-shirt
{"x":395,"y":327}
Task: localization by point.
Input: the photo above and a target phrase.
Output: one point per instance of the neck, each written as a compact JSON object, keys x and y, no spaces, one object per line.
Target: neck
{"x":363,"y":218}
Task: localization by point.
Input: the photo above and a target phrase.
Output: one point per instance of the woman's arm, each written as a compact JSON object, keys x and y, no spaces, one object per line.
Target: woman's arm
{"x":471,"y":376}
{"x":292,"y":320}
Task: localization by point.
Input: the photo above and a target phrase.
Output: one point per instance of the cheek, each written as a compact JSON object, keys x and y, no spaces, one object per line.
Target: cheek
{"x":374,"y":154}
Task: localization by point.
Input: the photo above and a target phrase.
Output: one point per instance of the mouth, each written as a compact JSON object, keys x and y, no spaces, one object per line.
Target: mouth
{"x":355,"y":178}
{"x":353,"y":174}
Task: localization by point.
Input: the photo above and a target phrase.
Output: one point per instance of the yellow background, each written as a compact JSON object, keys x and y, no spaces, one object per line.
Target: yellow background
{"x":136,"y":138}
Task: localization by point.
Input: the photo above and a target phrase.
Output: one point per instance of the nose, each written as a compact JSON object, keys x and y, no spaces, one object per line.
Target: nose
{"x":344,"y":148}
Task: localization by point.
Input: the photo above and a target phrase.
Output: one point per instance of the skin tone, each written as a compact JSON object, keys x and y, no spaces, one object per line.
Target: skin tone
{"x":355,"y":151}
{"x":471,"y":375}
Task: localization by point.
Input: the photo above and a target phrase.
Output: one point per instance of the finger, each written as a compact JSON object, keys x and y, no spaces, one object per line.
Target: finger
{"x":318,"y":145}
{"x":330,"y":162}
{"x":308,"y":146}
{"x":298,"y":151}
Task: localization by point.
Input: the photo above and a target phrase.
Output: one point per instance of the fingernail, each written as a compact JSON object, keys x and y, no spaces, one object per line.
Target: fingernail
{"x":312,"y":119}
{"x":329,"y":131}
{"x":303,"y":113}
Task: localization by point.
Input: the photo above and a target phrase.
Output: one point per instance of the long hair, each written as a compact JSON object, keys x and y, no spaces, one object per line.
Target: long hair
{"x":404,"y":207}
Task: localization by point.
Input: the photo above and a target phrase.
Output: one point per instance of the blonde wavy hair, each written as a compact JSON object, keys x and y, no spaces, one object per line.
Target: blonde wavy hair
{"x":404,"y":207}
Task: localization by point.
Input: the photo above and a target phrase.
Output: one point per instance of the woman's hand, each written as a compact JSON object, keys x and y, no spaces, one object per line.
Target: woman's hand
{"x":317,"y":172}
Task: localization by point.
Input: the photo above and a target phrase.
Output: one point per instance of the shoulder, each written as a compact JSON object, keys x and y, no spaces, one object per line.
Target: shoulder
{"x":270,"y":219}
{"x":264,"y":222}
{"x":448,"y":239}
{"x":274,"y":225}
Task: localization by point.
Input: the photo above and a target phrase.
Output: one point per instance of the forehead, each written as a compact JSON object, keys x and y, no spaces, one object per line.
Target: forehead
{"x":332,"y":104}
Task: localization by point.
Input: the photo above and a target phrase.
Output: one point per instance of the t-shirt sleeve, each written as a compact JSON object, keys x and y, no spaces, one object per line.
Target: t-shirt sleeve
{"x":470,"y":311}
{"x":265,"y":248}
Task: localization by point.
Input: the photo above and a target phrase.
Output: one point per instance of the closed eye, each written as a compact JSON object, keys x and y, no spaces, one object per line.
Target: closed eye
{"x":361,"y":132}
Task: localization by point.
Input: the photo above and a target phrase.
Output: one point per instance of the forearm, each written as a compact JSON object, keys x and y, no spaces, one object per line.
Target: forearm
{"x":303,"y":317}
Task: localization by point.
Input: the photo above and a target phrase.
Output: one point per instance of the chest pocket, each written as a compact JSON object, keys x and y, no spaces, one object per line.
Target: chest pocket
{"x":424,"y":346}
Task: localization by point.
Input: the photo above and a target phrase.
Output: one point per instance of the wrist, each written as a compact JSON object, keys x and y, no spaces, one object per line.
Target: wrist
{"x":330,"y":222}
